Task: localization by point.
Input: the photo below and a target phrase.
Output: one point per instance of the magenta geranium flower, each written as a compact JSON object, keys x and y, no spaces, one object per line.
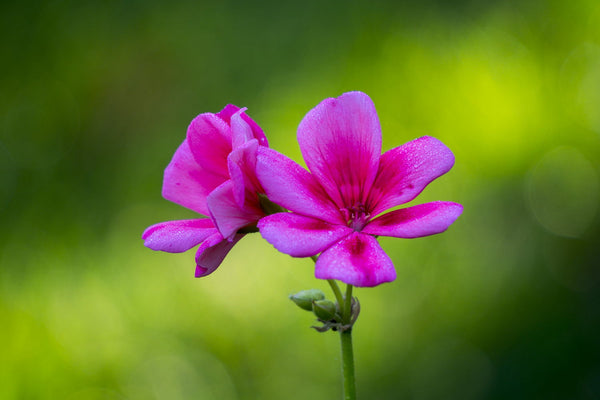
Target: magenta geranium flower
{"x":335,"y":208}
{"x":212,"y":173}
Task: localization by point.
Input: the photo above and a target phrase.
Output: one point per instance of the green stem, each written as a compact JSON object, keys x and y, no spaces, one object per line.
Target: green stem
{"x":345,"y":303}
{"x":348,"y":365}
{"x":338,"y":294}
{"x":347,"y":352}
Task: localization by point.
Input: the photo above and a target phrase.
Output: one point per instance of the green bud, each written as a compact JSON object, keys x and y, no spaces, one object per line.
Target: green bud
{"x":305,"y":298}
{"x":324,"y":309}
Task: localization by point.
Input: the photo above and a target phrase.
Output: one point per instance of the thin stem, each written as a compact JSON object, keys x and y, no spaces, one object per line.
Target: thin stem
{"x":334,"y":286}
{"x":338,"y":293}
{"x":347,"y":352}
{"x":347,"y":305}
{"x":348,"y":365}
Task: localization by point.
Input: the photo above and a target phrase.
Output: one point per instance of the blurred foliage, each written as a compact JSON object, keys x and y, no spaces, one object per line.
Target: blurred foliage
{"x":95,"y":98}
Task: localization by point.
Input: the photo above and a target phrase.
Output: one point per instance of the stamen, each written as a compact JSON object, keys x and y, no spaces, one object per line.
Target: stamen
{"x":356,"y":216}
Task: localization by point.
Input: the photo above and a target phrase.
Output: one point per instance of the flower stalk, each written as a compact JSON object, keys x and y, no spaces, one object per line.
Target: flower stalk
{"x":336,"y":291}
{"x":348,"y":365}
{"x":347,"y":351}
{"x":348,"y":310}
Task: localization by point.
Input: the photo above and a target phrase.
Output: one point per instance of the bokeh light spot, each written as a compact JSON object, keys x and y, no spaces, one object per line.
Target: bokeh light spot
{"x":580,"y":85}
{"x":562,"y":191}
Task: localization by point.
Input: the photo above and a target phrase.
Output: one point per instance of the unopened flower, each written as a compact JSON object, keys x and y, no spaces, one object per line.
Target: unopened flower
{"x":324,"y":309}
{"x":305,"y":298}
{"x":213,"y":173}
{"x":335,"y":208}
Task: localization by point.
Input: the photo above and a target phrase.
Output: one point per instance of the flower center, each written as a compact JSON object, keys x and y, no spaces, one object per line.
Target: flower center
{"x":356,"y":216}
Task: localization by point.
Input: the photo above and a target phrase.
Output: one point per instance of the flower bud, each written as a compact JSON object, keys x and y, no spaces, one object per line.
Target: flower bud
{"x":324,"y":309}
{"x":305,"y":298}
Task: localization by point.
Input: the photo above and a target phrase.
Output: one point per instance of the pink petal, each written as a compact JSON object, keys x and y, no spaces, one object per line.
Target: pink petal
{"x":294,"y":188}
{"x":227,"y":214}
{"x":212,"y":252}
{"x":356,"y":260}
{"x":241,"y":132}
{"x":300,"y":236}
{"x":186,"y":184}
{"x":178,"y":236}
{"x":257,"y":132}
{"x":406,"y":170}
{"x":340,"y":141}
{"x":242,"y":169}
{"x":227,"y":112}
{"x":417,"y":221}
{"x":243,"y":129}
{"x":209,"y":138}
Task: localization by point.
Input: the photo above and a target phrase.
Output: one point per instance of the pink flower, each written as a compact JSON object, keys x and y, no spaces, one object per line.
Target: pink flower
{"x":212,"y":173}
{"x":335,"y":208}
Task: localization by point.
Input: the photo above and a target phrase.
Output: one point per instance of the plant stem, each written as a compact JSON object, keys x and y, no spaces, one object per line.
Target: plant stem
{"x":347,"y":352}
{"x":345,"y":303}
{"x":348,"y":365}
{"x":338,"y":293}
{"x":346,"y":315}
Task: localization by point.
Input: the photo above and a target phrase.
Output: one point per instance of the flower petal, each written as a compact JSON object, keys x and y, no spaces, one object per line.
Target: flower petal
{"x":227,"y":215}
{"x":209,"y":138}
{"x":357,"y":260}
{"x":291,"y":186}
{"x":300,"y":236}
{"x":212,"y":252}
{"x":340,"y":141}
{"x":241,"y":132}
{"x":178,"y":236}
{"x":406,"y":170}
{"x":242,"y":169}
{"x":186,"y":184}
{"x":227,"y":112}
{"x":243,"y":129}
{"x":242,"y":126}
{"x":417,"y":221}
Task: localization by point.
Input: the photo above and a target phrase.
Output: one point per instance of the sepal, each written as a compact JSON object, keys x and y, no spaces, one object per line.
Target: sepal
{"x":325,"y":310}
{"x":268,"y":206}
{"x":304,"y":299}
{"x":337,"y":324}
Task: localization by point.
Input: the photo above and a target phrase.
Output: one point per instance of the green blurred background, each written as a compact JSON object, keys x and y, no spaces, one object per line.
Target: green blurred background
{"x":96,"y":97}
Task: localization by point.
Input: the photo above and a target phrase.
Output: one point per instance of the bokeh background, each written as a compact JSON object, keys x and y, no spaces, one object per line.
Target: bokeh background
{"x":96,"y":97}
